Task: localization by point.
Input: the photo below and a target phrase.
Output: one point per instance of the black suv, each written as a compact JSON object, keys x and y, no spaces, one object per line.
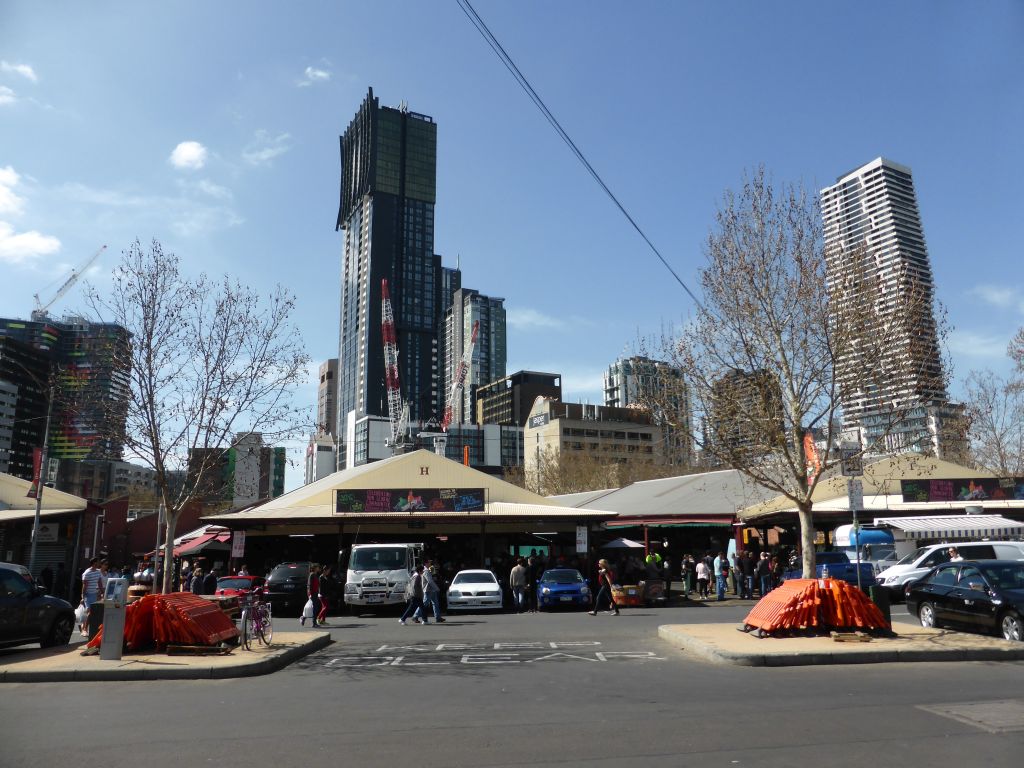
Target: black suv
{"x":28,"y":614}
{"x":286,"y":588}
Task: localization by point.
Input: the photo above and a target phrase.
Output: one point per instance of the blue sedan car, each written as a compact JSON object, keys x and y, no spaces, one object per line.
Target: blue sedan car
{"x":562,"y":587}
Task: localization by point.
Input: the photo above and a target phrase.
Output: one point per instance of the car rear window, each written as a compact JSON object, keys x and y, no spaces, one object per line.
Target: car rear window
{"x":562,"y":577}
{"x":977,"y":552}
{"x":289,"y":572}
{"x":232,"y":583}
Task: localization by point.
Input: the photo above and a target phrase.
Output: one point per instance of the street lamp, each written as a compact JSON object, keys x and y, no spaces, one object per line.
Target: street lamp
{"x":40,"y":484}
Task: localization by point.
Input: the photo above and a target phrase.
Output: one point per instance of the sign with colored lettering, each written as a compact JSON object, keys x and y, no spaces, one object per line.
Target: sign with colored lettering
{"x":980,"y":489}
{"x":377,"y":500}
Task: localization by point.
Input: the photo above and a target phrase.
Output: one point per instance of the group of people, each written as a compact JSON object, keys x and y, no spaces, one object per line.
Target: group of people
{"x":743,"y":571}
{"x":423,"y":594}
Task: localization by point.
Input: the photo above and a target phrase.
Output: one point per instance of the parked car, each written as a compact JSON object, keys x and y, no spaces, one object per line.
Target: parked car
{"x":238,"y":586}
{"x":286,"y":588}
{"x":562,"y":587}
{"x":919,"y":562}
{"x":28,"y":614}
{"x":837,"y":565}
{"x":977,"y":595}
{"x":474,"y":590}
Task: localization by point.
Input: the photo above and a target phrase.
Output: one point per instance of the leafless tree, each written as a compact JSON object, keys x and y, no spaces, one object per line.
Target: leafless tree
{"x":995,"y":409}
{"x":785,"y":330}
{"x":208,"y":360}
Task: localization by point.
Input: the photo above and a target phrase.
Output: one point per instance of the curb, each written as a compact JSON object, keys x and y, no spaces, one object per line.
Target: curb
{"x":263,"y":666}
{"x":881,"y":656}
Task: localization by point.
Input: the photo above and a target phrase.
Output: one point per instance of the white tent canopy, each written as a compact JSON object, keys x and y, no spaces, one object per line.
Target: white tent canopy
{"x":954,"y":526}
{"x":623,"y":544}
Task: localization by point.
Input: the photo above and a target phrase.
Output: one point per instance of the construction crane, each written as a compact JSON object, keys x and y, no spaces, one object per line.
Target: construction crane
{"x":459,"y":380}
{"x":398,"y":411}
{"x":39,"y":313}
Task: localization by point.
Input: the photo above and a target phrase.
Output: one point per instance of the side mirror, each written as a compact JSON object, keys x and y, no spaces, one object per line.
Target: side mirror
{"x":40,"y":590}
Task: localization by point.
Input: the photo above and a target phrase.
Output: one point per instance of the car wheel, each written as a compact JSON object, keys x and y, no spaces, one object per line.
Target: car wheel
{"x":926,"y":613}
{"x":1013,"y":628}
{"x":60,"y":632}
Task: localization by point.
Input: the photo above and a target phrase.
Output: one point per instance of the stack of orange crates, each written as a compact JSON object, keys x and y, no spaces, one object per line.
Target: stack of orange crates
{"x":178,"y":618}
{"x":818,"y":604}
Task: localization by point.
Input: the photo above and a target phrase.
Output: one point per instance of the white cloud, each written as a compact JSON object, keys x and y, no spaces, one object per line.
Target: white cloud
{"x":972,"y":344}
{"x":188,"y":155}
{"x":999,"y":296}
{"x":19,"y":69}
{"x":207,"y":187}
{"x":525,"y":319}
{"x":7,"y":95}
{"x":19,"y":247}
{"x":186,"y":214}
{"x":10,"y":202}
{"x":314,"y":75}
{"x":263,"y":149}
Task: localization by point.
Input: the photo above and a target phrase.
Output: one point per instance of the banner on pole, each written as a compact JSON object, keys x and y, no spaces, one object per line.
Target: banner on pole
{"x":238,"y":544}
{"x":581,"y":539}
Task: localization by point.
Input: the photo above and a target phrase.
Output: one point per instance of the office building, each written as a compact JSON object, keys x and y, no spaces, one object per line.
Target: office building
{"x":388,"y":178}
{"x":640,"y":382}
{"x":558,"y":432}
{"x":24,"y":374}
{"x":243,"y":474}
{"x":508,"y":400}
{"x":489,"y":356}
{"x":871,"y":221}
{"x":746,"y":416}
{"x":326,"y":398}
{"x":90,"y":365}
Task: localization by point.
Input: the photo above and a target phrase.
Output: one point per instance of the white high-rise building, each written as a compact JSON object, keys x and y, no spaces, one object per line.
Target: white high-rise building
{"x":871,"y":213}
{"x":489,"y":354}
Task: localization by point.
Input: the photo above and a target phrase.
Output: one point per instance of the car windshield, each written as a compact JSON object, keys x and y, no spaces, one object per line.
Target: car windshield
{"x":480,"y":577}
{"x":378,"y":559}
{"x":561,"y":576}
{"x":913,"y":556}
{"x":234,"y":583}
{"x":1009,"y":576}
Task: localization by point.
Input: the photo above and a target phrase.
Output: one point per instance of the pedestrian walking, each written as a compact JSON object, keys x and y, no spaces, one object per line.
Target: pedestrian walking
{"x":764,"y":574}
{"x":327,"y":591}
{"x":431,"y":593}
{"x":210,"y":582}
{"x":748,"y":567}
{"x":92,"y":587}
{"x":196,"y":583}
{"x":517,"y":582}
{"x":414,"y":596}
{"x":721,"y":575}
{"x":313,"y":593}
{"x":533,"y":573}
{"x":703,"y":573}
{"x":605,"y":580}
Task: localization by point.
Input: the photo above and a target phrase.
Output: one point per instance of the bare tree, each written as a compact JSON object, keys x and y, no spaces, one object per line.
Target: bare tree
{"x":208,"y":360}
{"x":995,"y":409}
{"x":786,"y":331}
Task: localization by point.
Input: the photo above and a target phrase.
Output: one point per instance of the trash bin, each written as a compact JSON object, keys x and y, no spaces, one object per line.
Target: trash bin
{"x":95,"y":618}
{"x":880,"y":597}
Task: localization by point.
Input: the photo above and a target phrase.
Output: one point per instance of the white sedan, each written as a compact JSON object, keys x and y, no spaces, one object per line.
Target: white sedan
{"x":477,"y":590}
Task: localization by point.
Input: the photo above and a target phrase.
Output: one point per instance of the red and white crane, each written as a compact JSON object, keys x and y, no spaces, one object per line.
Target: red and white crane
{"x":398,"y":411}
{"x":459,"y":379}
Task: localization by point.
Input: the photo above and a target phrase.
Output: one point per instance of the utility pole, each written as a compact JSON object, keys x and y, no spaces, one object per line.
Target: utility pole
{"x":40,"y":484}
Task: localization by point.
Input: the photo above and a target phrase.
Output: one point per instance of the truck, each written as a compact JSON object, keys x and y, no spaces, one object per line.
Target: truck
{"x":874,"y":545}
{"x":837,"y":565}
{"x":377,"y":574}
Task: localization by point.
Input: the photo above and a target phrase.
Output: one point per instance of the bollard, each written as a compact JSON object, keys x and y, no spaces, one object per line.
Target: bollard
{"x":880,"y":597}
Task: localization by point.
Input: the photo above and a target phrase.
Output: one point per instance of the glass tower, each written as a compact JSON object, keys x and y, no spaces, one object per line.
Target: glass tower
{"x":388,"y":185}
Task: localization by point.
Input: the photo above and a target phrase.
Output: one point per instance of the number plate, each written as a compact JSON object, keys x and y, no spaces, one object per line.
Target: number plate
{"x":565,"y":598}
{"x":374,"y":599}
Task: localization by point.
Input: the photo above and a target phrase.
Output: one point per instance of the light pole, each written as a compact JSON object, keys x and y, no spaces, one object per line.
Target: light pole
{"x":40,"y":484}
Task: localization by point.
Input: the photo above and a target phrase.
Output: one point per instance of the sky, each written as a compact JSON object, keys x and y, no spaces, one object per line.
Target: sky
{"x":213,"y":128}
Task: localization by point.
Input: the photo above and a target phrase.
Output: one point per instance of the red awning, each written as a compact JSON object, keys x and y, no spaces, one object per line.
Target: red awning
{"x":201,"y":542}
{"x":681,"y":521}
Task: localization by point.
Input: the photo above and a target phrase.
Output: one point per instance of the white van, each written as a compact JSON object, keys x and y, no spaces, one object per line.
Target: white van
{"x":923,"y":559}
{"x":377,"y":574}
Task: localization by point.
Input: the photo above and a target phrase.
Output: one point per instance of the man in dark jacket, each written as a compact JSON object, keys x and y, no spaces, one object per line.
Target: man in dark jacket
{"x":748,"y":566}
{"x":210,"y":583}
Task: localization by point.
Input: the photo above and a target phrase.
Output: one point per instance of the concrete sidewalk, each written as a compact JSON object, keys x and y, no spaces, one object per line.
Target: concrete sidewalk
{"x":67,"y":664}
{"x":726,"y":644}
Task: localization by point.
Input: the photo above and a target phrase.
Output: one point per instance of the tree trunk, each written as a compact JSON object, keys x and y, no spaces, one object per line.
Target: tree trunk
{"x":172,"y":522}
{"x":807,"y":539}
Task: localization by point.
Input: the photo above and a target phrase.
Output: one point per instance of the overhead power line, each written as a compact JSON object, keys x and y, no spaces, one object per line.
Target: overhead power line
{"x":510,"y":65}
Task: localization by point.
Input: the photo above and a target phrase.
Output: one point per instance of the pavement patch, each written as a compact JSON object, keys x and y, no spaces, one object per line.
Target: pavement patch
{"x":993,"y":716}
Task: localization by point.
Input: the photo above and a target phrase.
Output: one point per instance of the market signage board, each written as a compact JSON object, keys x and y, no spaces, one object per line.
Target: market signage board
{"x":372,"y":500}
{"x":980,"y":489}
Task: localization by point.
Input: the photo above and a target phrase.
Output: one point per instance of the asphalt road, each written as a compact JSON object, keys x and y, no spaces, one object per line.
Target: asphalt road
{"x":540,"y":690}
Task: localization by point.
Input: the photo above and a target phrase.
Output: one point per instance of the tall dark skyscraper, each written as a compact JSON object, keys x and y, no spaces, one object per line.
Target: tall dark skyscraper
{"x":388,"y":181}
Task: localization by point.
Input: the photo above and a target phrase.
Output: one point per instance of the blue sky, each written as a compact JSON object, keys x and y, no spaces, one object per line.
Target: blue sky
{"x":213,"y":127}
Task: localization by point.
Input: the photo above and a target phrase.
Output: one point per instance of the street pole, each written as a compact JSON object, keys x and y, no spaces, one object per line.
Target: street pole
{"x":160,"y":515}
{"x":39,"y":486}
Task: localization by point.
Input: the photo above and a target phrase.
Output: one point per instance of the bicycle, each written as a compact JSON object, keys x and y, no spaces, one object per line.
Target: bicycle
{"x":257,"y":621}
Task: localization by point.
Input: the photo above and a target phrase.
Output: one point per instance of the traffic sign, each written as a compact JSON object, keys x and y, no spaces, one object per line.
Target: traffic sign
{"x":851,"y":462}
